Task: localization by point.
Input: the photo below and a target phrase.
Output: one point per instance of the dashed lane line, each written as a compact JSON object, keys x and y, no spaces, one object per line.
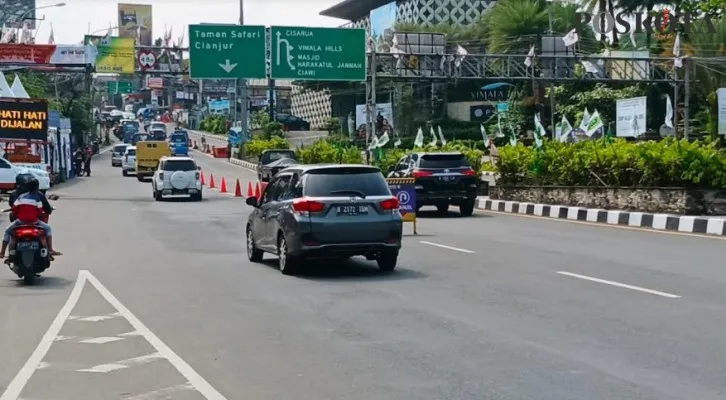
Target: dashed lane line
{"x":443,"y":246}
{"x":35,"y":361}
{"x":620,"y":285}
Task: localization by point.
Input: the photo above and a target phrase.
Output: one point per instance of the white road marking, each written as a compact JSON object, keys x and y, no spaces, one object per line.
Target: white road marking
{"x":21,"y":379}
{"x":43,"y":365}
{"x":15,"y":387}
{"x":61,"y":338}
{"x":162,"y":393}
{"x":127,"y":334}
{"x":96,"y":318}
{"x":621,"y":285}
{"x":101,"y":340}
{"x":443,"y":246}
{"x":105,"y":368}
{"x":185,"y":369}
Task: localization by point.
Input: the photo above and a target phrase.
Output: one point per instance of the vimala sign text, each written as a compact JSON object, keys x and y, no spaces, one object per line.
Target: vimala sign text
{"x":324,"y":54}
{"x":24,"y":119}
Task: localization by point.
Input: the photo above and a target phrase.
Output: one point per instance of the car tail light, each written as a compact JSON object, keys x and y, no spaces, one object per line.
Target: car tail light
{"x":196,"y":176}
{"x":25,"y":232}
{"x":161,"y":175}
{"x":305,"y":206}
{"x":390,"y":204}
{"x":417,"y":173}
{"x":469,"y":172}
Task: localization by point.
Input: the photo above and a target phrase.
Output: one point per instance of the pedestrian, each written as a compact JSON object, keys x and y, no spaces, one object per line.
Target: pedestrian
{"x":87,"y":166}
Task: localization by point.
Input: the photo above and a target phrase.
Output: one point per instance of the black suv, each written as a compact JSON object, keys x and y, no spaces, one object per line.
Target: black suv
{"x":442,"y":179}
{"x":325,"y":211}
{"x":266,"y":168}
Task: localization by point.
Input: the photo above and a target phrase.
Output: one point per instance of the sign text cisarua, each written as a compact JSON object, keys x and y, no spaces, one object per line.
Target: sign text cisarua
{"x":24,"y":119}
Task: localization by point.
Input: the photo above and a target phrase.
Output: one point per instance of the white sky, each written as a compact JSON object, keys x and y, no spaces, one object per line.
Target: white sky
{"x":71,"y":22}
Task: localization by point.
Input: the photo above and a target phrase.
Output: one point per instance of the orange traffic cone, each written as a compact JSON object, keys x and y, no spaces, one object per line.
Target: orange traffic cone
{"x":201,"y":177}
{"x":264,"y":186}
{"x":211,"y":182}
{"x":238,"y":189}
{"x":223,"y":186}
{"x":250,"y":191}
{"x":258,"y":195}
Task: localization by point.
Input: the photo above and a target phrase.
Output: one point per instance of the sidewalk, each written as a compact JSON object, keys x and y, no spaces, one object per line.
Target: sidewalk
{"x":664,"y":222}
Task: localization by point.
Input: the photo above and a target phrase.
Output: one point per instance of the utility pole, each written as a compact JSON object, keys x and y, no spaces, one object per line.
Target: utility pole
{"x":554,"y":69}
{"x":371,"y":102}
{"x":686,"y":101}
{"x":244,"y":111}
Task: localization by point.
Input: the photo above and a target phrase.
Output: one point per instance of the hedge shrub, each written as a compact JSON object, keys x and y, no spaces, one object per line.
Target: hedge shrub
{"x":214,"y":124}
{"x":255,"y":147}
{"x":323,"y":152}
{"x":667,"y":163}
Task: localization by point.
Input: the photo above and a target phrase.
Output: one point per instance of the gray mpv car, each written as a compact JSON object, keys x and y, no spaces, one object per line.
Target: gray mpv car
{"x":325,"y":211}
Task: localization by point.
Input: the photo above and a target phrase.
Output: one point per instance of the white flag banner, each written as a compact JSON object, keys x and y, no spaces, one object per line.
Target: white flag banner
{"x":419,"y":141}
{"x":594,"y":124}
{"x":484,"y":135}
{"x":669,"y":112}
{"x":571,"y":38}
{"x":539,"y":131}
{"x":585,"y":120}
{"x":434,"y":142}
{"x":530,"y":57}
{"x":374,"y":143}
{"x":441,"y":137}
{"x":678,"y":61}
{"x":383,"y":140}
{"x":565,"y":129}
{"x":500,"y":134}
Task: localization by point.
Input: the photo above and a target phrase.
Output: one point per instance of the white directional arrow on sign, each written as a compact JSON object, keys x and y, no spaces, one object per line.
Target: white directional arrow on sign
{"x":227,"y":67}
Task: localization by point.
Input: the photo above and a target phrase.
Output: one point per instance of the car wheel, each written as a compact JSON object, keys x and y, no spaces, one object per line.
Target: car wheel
{"x":197,"y":197}
{"x":139,"y":178}
{"x":467,"y":208}
{"x":442,"y":208}
{"x":288,"y":263}
{"x":253,"y":253}
{"x":387,"y":261}
{"x":158,"y":196}
{"x":124,"y":173}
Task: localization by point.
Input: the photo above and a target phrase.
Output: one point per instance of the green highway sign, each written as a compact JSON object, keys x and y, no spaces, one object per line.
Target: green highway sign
{"x":116,"y":87}
{"x":226,"y":52}
{"x":323,"y":54}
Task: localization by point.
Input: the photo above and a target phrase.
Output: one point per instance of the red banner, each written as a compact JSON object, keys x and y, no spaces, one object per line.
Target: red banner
{"x":45,"y":54}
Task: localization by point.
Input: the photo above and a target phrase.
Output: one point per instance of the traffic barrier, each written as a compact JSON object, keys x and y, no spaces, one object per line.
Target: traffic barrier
{"x":238,"y":189}
{"x":201,"y":177}
{"x":223,"y":186}
{"x":211,"y":182}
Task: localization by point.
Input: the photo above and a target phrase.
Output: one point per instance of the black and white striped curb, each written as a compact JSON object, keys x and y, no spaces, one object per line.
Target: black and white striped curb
{"x":664,"y":222}
{"x":244,"y":164}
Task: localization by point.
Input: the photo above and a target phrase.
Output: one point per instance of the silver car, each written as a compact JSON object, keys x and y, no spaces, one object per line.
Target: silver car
{"x":325,"y":211}
{"x":117,"y":154}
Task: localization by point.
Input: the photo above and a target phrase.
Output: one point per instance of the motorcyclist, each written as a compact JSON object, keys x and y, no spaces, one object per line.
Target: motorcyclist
{"x":29,"y":209}
{"x":79,"y":157}
{"x":21,"y":186}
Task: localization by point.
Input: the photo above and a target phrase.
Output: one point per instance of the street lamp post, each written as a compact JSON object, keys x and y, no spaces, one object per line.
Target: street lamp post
{"x":554,"y":68}
{"x":23,"y":17}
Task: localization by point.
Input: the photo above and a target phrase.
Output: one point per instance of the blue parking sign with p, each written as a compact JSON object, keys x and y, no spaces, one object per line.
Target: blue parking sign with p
{"x":405,"y":190}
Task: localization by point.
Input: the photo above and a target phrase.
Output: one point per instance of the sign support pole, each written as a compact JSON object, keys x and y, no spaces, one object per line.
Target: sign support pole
{"x":243,"y":82}
{"x":371,"y":103}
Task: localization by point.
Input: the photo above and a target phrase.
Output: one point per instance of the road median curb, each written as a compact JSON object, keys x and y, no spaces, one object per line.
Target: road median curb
{"x":663,"y":222}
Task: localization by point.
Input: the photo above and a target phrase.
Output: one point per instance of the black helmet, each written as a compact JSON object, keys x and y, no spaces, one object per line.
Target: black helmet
{"x":33,"y":184}
{"x":22,"y":179}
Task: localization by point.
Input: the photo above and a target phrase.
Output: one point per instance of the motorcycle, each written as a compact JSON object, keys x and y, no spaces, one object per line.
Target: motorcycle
{"x":30,"y":257}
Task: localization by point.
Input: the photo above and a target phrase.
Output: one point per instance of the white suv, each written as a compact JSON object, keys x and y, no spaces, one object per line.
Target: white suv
{"x":177,"y":176}
{"x":128,"y":164}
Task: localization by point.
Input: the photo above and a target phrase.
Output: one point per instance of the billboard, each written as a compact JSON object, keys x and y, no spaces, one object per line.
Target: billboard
{"x":13,"y":12}
{"x":134,"y":20}
{"x":24,"y":119}
{"x":45,"y":54}
{"x":114,"y":55}
{"x":383,"y":21}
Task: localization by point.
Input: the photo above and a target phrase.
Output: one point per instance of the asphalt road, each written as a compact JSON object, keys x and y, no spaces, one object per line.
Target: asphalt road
{"x":157,"y":301}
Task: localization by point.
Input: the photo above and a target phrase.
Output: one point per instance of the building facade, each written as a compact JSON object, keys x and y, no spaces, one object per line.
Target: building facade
{"x":315,"y":106}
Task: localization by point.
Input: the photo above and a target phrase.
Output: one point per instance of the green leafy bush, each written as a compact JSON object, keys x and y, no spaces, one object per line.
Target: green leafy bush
{"x":667,"y":163}
{"x":255,"y":147}
{"x":215,"y":124}
{"x":323,"y":152}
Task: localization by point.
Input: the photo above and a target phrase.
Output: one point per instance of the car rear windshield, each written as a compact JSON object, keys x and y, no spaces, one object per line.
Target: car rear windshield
{"x":443,"y":161}
{"x":178,"y":138}
{"x":276,"y":155}
{"x":119,"y":149}
{"x":180,"y":165}
{"x":131,"y":152}
{"x":341,"y":181}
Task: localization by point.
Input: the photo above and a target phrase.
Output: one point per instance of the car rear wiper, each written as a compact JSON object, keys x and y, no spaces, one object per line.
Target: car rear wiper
{"x":355,"y":192}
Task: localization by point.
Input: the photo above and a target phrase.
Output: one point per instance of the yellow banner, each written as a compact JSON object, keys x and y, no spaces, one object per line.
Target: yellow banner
{"x":135,"y":21}
{"x":117,"y":55}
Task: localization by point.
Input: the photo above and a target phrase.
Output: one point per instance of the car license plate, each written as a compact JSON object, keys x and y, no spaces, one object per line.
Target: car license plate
{"x":28,"y":246}
{"x":352,"y":210}
{"x":447,"y":178}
